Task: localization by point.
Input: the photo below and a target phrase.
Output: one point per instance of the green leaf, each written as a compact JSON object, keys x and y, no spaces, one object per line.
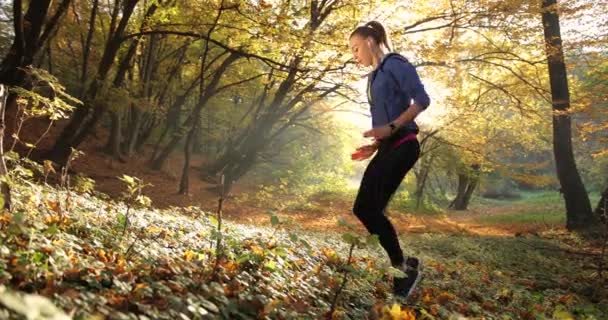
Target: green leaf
{"x":244,"y":257}
{"x":274,"y":220}
{"x":305,"y":244}
{"x":51,"y":230}
{"x":38,"y":257}
{"x":271,"y":265}
{"x":213,"y":221}
{"x":293,"y":237}
{"x":280,"y":252}
{"x":11,"y":155}
{"x":143,"y":201}
{"x":372,"y":240}
{"x":426,"y":315}
{"x":122,"y":219}
{"x":18,"y":217}
{"x":349,"y":238}
{"x":561,"y":313}
{"x":350,"y":268}
{"x":396,"y":272}
{"x":127,"y":179}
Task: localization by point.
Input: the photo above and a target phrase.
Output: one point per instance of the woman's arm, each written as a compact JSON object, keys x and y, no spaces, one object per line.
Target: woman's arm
{"x":404,"y":118}
{"x":407,"y":116}
{"x":409,"y":82}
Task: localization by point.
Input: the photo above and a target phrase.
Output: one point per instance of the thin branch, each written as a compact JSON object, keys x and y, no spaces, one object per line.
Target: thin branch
{"x":239,"y":82}
{"x":52,"y":24}
{"x":240,"y":51}
{"x":423,"y":21}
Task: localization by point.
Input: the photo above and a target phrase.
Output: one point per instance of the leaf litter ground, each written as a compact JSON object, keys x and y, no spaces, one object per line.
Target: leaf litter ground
{"x":165,"y":266}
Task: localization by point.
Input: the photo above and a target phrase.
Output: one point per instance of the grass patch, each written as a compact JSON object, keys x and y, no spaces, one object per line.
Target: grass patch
{"x":536,"y":198}
{"x":526,"y":197}
{"x":534,"y":216}
{"x":533,"y":207}
{"x":541,"y":197}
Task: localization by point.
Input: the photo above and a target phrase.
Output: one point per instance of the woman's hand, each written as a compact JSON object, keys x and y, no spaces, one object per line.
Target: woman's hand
{"x":364,"y":152}
{"x":379,"y":133}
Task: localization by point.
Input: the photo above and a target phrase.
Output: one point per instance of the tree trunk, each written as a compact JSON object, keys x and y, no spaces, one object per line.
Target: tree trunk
{"x":467,"y":182}
{"x":160,"y":161}
{"x":468,"y":194}
{"x":114,"y":142}
{"x":172,"y":122}
{"x":578,"y":207}
{"x":159,"y":141}
{"x":13,"y":59}
{"x":184,"y":183}
{"x":61,"y":148}
{"x":421,"y":179}
{"x":261,"y":133}
{"x":113,"y":145}
{"x":146,"y":132}
{"x":26,"y":43}
{"x":209,"y":92}
{"x":50,"y":57}
{"x":601,"y":211}
{"x":210,"y":171}
{"x":81,"y":125}
{"x":281,"y":113}
{"x":4,"y":187}
{"x":458,"y":202}
{"x":173,"y":74}
{"x":87,"y":48}
{"x":107,"y":61}
{"x":237,"y":169}
{"x":134,"y":128}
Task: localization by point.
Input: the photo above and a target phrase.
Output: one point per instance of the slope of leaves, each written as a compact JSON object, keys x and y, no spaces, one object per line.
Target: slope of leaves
{"x":76,"y":250}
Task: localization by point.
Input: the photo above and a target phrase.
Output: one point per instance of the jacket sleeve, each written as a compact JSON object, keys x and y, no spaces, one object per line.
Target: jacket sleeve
{"x":408,"y":81}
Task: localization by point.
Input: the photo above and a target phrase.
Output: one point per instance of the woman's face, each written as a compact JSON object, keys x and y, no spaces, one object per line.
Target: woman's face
{"x":361,"y":49}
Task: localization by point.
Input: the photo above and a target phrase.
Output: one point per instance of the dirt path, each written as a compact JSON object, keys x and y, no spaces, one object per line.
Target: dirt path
{"x":451,"y":222}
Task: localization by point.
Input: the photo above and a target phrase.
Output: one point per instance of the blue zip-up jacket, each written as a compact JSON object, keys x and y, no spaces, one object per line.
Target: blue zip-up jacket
{"x":391,"y":89}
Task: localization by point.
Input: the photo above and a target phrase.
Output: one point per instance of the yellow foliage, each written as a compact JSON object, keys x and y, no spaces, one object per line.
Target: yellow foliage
{"x":257,"y":250}
{"x":53,"y":205}
{"x":189,"y":255}
{"x":57,"y":220}
{"x":328,"y":253}
{"x":397,"y":313}
{"x":154,"y":229}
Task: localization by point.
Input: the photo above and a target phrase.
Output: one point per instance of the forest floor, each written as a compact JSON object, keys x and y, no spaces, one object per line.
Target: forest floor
{"x":498,"y":260}
{"x":97,"y":258}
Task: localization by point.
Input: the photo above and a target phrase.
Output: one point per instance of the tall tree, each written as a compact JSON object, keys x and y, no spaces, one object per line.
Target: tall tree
{"x":578,"y":206}
{"x":292,"y":89}
{"x":601,"y":211}
{"x":32,"y":31}
{"x":4,"y":187}
{"x":85,"y":117}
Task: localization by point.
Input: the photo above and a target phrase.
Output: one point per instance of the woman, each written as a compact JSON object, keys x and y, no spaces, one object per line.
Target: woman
{"x":396,"y":96}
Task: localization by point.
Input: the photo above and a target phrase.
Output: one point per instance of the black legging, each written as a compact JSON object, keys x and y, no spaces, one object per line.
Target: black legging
{"x":380,"y":181}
